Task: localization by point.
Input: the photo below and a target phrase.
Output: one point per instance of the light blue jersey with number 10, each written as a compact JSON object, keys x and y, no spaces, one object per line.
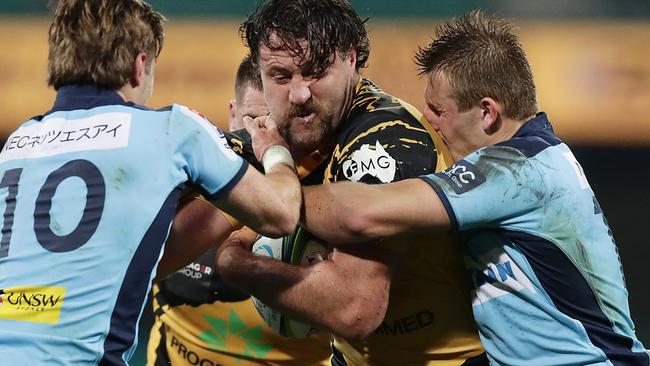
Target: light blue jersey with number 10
{"x":88,"y":192}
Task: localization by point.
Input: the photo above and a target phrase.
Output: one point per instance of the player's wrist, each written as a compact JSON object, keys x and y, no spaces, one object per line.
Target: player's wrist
{"x":277,"y":154}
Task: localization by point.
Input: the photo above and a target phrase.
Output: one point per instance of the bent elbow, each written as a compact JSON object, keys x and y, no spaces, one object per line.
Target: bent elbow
{"x":360,"y":224}
{"x":279,"y":226}
{"x":360,"y":320}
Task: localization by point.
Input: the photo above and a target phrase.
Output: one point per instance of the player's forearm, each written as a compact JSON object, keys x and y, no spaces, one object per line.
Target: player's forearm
{"x":286,"y":191}
{"x":269,"y":205}
{"x":197,"y":227}
{"x":318,"y":295}
{"x":340,"y":213}
{"x":349,"y":212}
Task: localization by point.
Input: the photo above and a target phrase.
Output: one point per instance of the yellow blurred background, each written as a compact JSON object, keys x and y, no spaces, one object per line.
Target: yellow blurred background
{"x":593,"y":77}
{"x":590,"y":58}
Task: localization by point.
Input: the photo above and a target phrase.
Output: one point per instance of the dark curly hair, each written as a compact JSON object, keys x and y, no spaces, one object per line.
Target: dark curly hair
{"x":328,"y":27}
{"x":482,"y":57}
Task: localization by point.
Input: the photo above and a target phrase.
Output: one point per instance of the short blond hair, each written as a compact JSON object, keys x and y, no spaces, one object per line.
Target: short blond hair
{"x":96,"y":41}
{"x":481,"y":56}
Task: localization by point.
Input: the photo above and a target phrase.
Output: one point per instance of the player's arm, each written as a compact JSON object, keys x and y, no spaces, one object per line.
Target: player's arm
{"x":350,"y":212}
{"x":263,"y":203}
{"x":199,"y":220}
{"x":269,"y":204}
{"x":347,"y":294}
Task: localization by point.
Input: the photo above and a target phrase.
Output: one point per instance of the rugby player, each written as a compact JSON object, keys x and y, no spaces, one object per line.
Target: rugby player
{"x":548,"y":286}
{"x":201,"y":320}
{"x":90,"y":188}
{"x":377,"y":300}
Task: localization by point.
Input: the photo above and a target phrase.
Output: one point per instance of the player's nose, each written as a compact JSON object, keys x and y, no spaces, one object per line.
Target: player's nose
{"x":431,"y":118}
{"x":299,"y":92}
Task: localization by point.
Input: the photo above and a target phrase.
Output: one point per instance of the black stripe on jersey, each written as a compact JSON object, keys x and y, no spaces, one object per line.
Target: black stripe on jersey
{"x":162,"y":356}
{"x":572,"y":295}
{"x":133,"y":292}
{"x":235,"y":179}
{"x":337,"y":358}
{"x":480,"y":360}
{"x":445,"y":201}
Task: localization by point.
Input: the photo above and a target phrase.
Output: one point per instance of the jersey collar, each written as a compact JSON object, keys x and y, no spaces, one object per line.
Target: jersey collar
{"x":535,"y":126}
{"x":71,"y":97}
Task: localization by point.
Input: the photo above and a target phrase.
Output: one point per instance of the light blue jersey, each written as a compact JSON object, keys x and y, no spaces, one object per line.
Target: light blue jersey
{"x":548,"y":283}
{"x":88,"y":193}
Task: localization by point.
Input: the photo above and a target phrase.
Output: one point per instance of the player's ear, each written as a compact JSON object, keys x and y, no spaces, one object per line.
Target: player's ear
{"x":490,"y":111}
{"x":351,"y":58}
{"x":232,"y":114}
{"x":139,"y":65}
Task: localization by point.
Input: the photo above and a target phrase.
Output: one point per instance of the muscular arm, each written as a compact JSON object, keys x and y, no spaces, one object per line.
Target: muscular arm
{"x":349,"y":212}
{"x":269,"y":204}
{"x":346,"y":294}
{"x":197,"y":227}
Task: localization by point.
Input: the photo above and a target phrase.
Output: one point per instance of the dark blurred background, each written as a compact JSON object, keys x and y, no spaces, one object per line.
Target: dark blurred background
{"x":590,"y":59}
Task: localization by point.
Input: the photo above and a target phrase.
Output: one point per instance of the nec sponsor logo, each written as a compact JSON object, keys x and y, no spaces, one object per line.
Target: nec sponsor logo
{"x":496,"y":278}
{"x":366,"y":161}
{"x":462,"y":176}
{"x":32,"y":303}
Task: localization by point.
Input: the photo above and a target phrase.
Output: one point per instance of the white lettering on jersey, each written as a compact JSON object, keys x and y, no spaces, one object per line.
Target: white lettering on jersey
{"x":463,"y":175}
{"x":493,"y":279}
{"x":376,"y":162}
{"x":56,"y":136}
{"x":213,"y":131}
{"x":584,"y":184}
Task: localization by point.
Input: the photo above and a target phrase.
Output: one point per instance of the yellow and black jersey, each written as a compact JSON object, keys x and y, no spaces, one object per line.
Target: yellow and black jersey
{"x":429,"y":319}
{"x":199,"y":320}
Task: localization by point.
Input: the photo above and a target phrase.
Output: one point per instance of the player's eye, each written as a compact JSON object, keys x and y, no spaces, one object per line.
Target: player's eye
{"x":280,"y":78}
{"x":314,"y":74}
{"x":435,"y":110}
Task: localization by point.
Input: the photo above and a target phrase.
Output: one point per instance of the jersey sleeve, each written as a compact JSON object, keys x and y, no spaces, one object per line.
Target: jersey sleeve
{"x":495,"y":187}
{"x":383,"y":149}
{"x":203,"y":149}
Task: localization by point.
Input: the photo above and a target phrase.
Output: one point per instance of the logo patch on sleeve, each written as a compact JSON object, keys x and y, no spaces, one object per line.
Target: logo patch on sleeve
{"x":462,"y":176}
{"x":375,"y":162}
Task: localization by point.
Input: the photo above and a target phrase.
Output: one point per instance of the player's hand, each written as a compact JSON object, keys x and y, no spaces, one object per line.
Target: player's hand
{"x":239,"y":243}
{"x":264,"y":133}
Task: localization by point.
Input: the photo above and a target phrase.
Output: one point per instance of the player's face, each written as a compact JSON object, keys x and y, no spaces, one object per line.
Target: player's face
{"x":251,"y":103}
{"x":461,"y":131}
{"x":306,"y":107}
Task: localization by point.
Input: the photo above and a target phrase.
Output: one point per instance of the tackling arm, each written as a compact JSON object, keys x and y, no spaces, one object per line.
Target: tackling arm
{"x":269,"y":204}
{"x":197,"y":227}
{"x":346,"y":294}
{"x":350,"y":212}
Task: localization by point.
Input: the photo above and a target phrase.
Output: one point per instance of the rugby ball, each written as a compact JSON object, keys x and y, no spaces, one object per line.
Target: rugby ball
{"x":300,"y":248}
